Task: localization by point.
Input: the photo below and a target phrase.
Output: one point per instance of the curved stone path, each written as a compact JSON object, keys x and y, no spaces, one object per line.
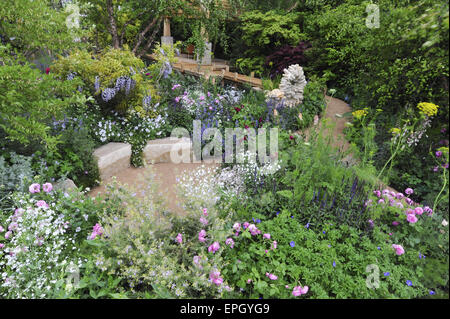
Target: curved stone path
{"x":167,"y":173}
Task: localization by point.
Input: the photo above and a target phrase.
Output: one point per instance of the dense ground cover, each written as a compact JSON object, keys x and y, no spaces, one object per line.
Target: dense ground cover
{"x":306,"y":226}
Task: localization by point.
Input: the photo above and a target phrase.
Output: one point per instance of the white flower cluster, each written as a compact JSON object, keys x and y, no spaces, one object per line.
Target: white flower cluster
{"x":292,"y":85}
{"x":35,"y":255}
{"x":204,"y":186}
{"x":233,"y":95}
{"x":415,"y":137}
{"x":109,"y":130}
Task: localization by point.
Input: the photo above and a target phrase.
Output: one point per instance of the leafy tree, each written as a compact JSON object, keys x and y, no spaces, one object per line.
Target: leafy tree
{"x":136,"y":23}
{"x":30,"y":26}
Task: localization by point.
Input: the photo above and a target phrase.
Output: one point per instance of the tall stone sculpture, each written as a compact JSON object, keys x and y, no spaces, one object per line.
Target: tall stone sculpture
{"x":292,"y":85}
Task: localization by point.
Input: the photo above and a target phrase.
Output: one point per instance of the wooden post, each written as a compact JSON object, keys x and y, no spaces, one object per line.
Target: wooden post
{"x":235,"y":76}
{"x":252,"y":74}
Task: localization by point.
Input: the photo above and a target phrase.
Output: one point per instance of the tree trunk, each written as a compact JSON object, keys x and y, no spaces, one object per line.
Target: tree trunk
{"x":152,"y":38}
{"x":112,"y":24}
{"x":144,"y":32}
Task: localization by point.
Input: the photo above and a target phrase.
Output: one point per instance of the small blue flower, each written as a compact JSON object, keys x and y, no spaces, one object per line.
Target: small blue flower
{"x":307,"y":225}
{"x":292,"y":216}
{"x":432,"y":292}
{"x":378,"y":247}
{"x":334,"y":264}
{"x":292,"y":243}
{"x":329,"y":246}
{"x":386,"y":274}
{"x":409,"y":282}
{"x":324,"y":232}
{"x":278,"y":213}
{"x":258,"y":221}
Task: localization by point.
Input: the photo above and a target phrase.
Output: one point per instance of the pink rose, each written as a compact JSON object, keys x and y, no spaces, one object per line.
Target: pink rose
{"x":411,"y":218}
{"x":299,"y":290}
{"x":271,"y":276}
{"x":398,"y":249}
{"x":41,"y":203}
{"x":419,"y":210}
{"x":204,"y":221}
{"x":180,"y":238}
{"x":202,"y":235}
{"x":34,"y":188}
{"x":253,"y":229}
{"x":230,"y":242}
{"x":47,"y":187}
{"x":214,"y":247}
{"x":214,"y":276}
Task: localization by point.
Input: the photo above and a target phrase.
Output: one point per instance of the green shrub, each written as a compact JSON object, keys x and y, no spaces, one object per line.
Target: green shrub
{"x":16,"y":173}
{"x":331,"y":260}
{"x":116,"y":78}
{"x":28,"y":101}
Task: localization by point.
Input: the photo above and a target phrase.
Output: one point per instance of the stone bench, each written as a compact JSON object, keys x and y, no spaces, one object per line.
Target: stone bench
{"x":112,"y":158}
{"x":159,"y":151}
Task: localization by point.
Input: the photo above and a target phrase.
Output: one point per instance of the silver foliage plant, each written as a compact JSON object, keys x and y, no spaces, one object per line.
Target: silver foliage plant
{"x":292,"y":85}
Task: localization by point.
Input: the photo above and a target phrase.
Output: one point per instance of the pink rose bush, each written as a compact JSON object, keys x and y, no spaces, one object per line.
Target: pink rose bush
{"x":410,"y":209}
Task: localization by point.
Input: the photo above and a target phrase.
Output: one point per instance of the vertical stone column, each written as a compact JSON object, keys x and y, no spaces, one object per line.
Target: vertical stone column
{"x":206,"y":59}
{"x":167,"y":39}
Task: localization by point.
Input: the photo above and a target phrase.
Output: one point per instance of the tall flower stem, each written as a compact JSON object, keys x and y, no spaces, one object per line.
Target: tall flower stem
{"x":393,"y":154}
{"x":436,"y":201}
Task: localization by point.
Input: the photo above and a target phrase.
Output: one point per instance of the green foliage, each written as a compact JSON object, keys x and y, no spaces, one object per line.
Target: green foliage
{"x":16,"y":174}
{"x":105,"y":69}
{"x":32,"y":26}
{"x":331,"y":260}
{"x":140,"y":247}
{"x":262,"y":32}
{"x":28,"y":100}
{"x":393,"y":67}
